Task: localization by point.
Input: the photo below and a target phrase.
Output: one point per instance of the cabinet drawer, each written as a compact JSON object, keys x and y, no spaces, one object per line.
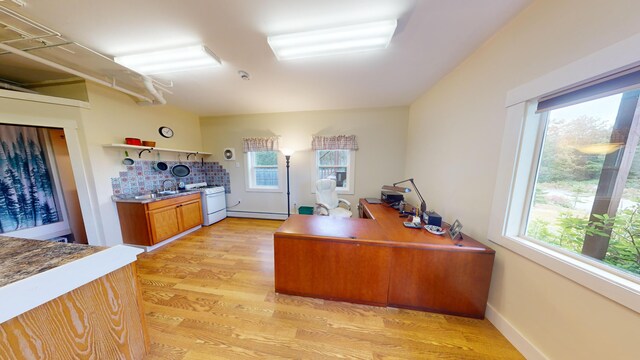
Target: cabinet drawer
{"x":173,"y":201}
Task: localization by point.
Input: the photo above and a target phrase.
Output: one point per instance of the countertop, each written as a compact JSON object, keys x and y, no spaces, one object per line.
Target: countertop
{"x":131,"y":198}
{"x":33,"y":272}
{"x":23,"y":258}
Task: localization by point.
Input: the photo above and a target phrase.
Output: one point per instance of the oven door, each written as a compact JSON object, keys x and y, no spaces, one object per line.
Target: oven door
{"x":215,"y":202}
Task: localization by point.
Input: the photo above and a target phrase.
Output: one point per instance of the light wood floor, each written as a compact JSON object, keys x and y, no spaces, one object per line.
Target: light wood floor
{"x":210,"y":295}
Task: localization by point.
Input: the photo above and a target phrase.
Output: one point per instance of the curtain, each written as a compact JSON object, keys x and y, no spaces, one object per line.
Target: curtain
{"x":336,"y":142}
{"x":260,"y":144}
{"x":26,"y":187}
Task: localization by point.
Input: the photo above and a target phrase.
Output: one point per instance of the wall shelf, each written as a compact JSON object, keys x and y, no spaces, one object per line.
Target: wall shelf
{"x":140,"y":149}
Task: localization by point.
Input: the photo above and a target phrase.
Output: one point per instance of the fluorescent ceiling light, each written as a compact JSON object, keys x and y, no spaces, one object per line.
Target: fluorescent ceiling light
{"x":370,"y":36}
{"x":166,"y":61}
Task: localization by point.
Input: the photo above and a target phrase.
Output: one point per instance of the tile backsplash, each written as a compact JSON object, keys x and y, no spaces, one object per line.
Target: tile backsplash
{"x":142,"y":177}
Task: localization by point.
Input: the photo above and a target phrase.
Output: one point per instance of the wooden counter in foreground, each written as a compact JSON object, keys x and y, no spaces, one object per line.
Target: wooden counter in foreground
{"x":378,"y":261}
{"x":67,"y":301}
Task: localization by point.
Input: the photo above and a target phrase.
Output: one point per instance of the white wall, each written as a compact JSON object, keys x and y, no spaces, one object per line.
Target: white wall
{"x":462,"y":120}
{"x":114,"y":116}
{"x":381,"y":134}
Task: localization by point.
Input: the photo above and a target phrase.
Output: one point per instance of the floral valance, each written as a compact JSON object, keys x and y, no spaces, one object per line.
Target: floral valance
{"x":336,"y":142}
{"x":260,"y":144}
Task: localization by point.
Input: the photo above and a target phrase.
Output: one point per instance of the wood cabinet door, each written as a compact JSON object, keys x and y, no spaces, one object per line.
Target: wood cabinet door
{"x":163,"y":223}
{"x":190,"y":214}
{"x":353,"y":272}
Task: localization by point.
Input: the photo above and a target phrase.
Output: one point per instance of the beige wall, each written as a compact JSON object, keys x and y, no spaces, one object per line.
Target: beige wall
{"x":381,"y":134}
{"x":461,"y":119}
{"x":114,"y":116}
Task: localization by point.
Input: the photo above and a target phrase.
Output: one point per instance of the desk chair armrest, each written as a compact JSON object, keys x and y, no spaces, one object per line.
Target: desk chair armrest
{"x":345,"y":202}
{"x":320,"y":206}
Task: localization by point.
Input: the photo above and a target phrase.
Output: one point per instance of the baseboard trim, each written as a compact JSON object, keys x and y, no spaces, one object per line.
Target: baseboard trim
{"x":167,"y":241}
{"x":527,"y":349}
{"x":256,"y":215}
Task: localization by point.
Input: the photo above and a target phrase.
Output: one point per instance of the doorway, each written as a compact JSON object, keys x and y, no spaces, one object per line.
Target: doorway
{"x":68,"y":185}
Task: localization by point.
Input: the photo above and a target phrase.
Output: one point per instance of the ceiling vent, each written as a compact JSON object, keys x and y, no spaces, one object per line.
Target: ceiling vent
{"x":31,"y":52}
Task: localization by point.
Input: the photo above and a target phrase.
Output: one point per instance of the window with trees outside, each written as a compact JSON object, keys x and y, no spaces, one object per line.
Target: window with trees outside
{"x":336,"y":165}
{"x":586,"y":195}
{"x":262,"y":170}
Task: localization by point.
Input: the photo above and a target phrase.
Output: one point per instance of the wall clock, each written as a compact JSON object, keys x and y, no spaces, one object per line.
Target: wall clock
{"x":165,"y":131}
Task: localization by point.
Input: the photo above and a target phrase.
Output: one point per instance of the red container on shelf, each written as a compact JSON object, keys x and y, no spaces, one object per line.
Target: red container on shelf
{"x":133,"y":141}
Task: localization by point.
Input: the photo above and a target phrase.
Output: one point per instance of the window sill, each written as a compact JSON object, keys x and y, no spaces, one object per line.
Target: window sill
{"x":264,"y":190}
{"x":615,"y":287}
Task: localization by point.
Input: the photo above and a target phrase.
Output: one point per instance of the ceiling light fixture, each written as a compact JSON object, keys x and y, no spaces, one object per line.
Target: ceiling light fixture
{"x":167,"y":61}
{"x":347,"y":39}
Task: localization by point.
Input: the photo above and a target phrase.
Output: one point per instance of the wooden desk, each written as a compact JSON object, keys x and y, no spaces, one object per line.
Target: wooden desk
{"x":378,"y":261}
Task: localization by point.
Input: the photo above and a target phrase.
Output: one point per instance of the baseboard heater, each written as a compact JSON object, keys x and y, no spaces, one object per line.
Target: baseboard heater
{"x":256,"y":215}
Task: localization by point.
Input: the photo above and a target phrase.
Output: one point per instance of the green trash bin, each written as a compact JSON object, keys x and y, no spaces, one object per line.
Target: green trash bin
{"x":305,"y":210}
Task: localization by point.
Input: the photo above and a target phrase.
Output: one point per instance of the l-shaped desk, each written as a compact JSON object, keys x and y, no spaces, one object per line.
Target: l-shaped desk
{"x":375,"y":260}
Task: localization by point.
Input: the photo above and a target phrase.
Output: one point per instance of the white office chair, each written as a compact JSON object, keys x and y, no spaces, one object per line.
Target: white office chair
{"x":327,"y":201}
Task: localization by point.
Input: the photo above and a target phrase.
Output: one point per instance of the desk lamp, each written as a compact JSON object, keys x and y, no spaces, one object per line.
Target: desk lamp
{"x":394,"y":187}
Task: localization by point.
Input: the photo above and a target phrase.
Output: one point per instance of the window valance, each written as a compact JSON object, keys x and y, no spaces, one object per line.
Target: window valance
{"x":336,"y":142}
{"x":260,"y":144}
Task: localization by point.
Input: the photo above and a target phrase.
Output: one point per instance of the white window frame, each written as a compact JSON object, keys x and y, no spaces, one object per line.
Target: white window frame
{"x":351,"y":173}
{"x":250,"y":179}
{"x":518,"y":163}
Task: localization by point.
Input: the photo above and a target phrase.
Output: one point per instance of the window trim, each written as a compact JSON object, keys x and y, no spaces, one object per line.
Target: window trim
{"x":249,"y":171}
{"x":351,"y":170}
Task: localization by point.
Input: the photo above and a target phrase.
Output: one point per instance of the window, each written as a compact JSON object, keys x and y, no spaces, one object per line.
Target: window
{"x":586,"y":191}
{"x":262,"y":170}
{"x":336,"y":165}
{"x":534,"y":147}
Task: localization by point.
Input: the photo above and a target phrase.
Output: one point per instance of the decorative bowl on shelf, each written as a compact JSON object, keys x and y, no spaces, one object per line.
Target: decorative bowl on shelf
{"x":148,"y":143}
{"x":132,"y":141}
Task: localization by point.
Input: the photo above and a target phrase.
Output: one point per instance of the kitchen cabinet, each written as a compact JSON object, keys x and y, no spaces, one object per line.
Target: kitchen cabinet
{"x":150,"y":223}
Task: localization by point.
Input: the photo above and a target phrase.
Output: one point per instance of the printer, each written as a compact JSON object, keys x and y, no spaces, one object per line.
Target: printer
{"x":391,"y":197}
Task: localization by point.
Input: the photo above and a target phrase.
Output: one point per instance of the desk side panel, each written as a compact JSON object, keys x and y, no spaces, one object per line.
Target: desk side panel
{"x":441,"y":281}
{"x":351,"y":272}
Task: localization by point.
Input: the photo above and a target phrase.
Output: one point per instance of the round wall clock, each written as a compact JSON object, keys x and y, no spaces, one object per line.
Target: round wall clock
{"x":166,"y":131}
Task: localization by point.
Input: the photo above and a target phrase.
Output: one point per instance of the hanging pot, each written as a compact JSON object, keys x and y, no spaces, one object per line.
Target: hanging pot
{"x":160,"y":166}
{"x":180,"y":170}
{"x":127,"y":160}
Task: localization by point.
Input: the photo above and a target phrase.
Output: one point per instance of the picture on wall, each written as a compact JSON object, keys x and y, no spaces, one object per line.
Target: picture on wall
{"x":26,"y":190}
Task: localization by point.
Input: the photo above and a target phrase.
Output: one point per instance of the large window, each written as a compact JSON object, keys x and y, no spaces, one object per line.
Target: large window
{"x":567,"y":187}
{"x":336,"y":165}
{"x":262,"y":170}
{"x":586,"y":194}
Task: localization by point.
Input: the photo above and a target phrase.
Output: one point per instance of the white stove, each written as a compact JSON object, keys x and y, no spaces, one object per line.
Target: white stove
{"x":214,"y":205}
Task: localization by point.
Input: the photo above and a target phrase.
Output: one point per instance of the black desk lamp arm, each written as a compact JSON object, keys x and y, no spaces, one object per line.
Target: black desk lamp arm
{"x":423,"y":204}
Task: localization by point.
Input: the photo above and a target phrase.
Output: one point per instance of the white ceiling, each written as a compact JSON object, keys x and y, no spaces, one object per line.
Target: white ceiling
{"x":432,"y":37}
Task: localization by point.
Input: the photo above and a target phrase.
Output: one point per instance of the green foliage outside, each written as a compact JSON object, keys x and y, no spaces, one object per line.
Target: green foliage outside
{"x":624,"y":243}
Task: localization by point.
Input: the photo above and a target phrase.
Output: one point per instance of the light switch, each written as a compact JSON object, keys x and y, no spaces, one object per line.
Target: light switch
{"x":237,"y":164}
